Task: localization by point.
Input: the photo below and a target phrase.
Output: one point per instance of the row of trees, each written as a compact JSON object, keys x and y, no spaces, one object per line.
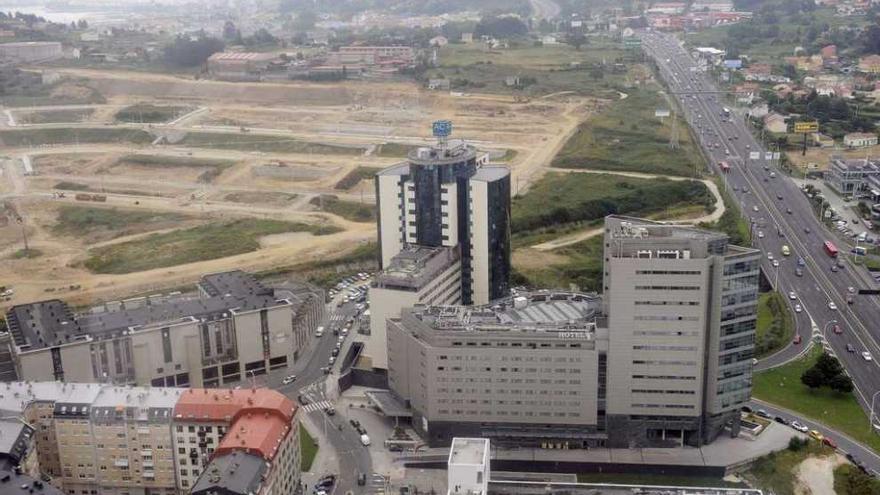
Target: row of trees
{"x":827,"y":372}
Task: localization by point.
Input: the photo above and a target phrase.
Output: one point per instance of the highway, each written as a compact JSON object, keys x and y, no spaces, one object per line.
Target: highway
{"x":778,"y":209}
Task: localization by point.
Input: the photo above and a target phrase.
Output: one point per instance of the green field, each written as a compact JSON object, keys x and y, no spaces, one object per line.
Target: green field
{"x":775,"y":328}
{"x":848,"y":480}
{"x":86,"y":221}
{"x":264,"y":143}
{"x":54,"y":116}
{"x":349,"y":210}
{"x":200,"y":243}
{"x":308,"y":448}
{"x":596,"y":69}
{"x":774,"y":473}
{"x":627,"y":136}
{"x":582,"y":267}
{"x":561,"y":198}
{"x":782,"y":386}
{"x":354,"y":177}
{"x":656,"y":480}
{"x":39,"y":137}
{"x":30,"y":253}
{"x":145,"y":113}
{"x":77,"y":186}
{"x":393,"y":150}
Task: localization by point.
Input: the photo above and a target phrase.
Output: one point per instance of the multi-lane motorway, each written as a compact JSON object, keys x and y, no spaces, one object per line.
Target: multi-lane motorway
{"x":783,"y":214}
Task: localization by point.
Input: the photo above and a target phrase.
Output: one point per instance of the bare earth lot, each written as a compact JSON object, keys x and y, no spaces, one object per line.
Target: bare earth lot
{"x":308,"y":137}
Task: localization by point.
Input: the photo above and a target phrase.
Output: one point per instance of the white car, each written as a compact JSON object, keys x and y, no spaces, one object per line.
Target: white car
{"x":775,"y":263}
{"x":792,"y":295}
{"x":289,"y":379}
{"x":769,"y":255}
{"x":867,"y":356}
{"x":832,"y":306}
{"x":799,"y":427}
{"x":798,"y":308}
{"x":760,"y":234}
{"x":755,"y":208}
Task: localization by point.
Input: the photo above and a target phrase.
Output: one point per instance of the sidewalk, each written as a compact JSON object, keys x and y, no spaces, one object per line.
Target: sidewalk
{"x":325,"y":461}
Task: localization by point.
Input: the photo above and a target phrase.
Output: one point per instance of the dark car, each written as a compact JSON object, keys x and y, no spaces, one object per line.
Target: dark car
{"x":325,"y":370}
{"x":362,"y":479}
{"x":334,"y":352}
{"x":355,"y":423}
{"x":330,"y":411}
{"x":326,"y":481}
{"x":834,"y":268}
{"x":395,"y":448}
{"x":746,"y":409}
{"x":780,"y":420}
{"x":302,"y":400}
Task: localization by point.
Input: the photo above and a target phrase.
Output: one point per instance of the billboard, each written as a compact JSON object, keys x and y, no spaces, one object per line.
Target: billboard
{"x":755,"y":155}
{"x":661,"y":112}
{"x":442,"y":128}
{"x":733,"y":63}
{"x":806,"y":127}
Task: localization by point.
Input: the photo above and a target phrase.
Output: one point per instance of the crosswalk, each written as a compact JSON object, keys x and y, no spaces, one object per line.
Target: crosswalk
{"x":317,"y":406}
{"x":377,"y":484}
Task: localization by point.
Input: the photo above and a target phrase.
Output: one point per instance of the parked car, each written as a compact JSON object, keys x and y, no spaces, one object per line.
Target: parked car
{"x":762,"y":413}
{"x":798,"y":308}
{"x":289,"y":379}
{"x":837,"y":330}
{"x":362,"y":479}
{"x":330,"y":411}
{"x":829,"y":442}
{"x":850,"y":348}
{"x":797,"y":339}
{"x":867,"y":356}
{"x":355,"y":423}
{"x":365,"y":440}
{"x":816,"y":435}
{"x":780,"y":420}
{"x":799,"y":427}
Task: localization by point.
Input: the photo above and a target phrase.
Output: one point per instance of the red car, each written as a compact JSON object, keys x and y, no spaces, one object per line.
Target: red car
{"x":797,"y":339}
{"x":836,"y":329}
{"x":829,"y":442}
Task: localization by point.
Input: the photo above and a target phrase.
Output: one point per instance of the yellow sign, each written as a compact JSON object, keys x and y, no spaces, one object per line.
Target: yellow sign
{"x":806,"y":127}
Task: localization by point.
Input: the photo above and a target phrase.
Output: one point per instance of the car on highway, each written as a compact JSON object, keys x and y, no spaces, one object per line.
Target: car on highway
{"x":792,"y":295}
{"x":778,"y":196}
{"x":807,"y":230}
{"x":799,"y":427}
{"x":334,"y":352}
{"x":776,"y":263}
{"x":816,"y":435}
{"x":769,"y":255}
{"x":797,"y":339}
{"x":867,"y":356}
{"x":331,"y":360}
{"x":799,"y":272}
{"x":832,"y":306}
{"x":760,"y":234}
{"x":837,"y":329}
{"x":801,"y":261}
{"x":834,"y":268}
{"x":850,"y":348}
{"x":829,"y":442}
{"x":289,"y":379}
{"x":798,"y":308}
{"x":362,"y":479}
{"x":365,"y":440}
{"x":325,"y":482}
{"x":303,"y":401}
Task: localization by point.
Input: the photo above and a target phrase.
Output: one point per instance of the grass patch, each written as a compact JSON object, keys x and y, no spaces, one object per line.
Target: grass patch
{"x":354,"y":177}
{"x":582,"y":267}
{"x":271,"y":144}
{"x":782,"y":386}
{"x":214,"y":166}
{"x":76,"y":186}
{"x":775,"y":327}
{"x":560,"y":198}
{"x":849,"y":480}
{"x":627,"y":136}
{"x":308,"y":448}
{"x":200,"y":243}
{"x":656,"y":480}
{"x":146,"y":113}
{"x":82,"y":221}
{"x":774,"y":473}
{"x":508,"y":155}
{"x":30,"y":253}
{"x":731,"y":222}
{"x":39,"y":137}
{"x":393,"y":150}
{"x":72,"y":186}
{"x":349,"y":210}
{"x":54,"y":116}
{"x":260,"y":197}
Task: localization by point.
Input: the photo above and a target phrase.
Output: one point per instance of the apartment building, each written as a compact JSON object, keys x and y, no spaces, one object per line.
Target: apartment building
{"x":681,"y":307}
{"x":663,"y":360}
{"x":447,"y":196}
{"x":232,"y":327}
{"x":92,"y":439}
{"x":370,"y":55}
{"x":244,"y":439}
{"x":416,"y":275}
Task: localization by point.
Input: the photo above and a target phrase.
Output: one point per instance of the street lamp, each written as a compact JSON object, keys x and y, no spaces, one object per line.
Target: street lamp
{"x":871,"y":417}
{"x":825,"y":330}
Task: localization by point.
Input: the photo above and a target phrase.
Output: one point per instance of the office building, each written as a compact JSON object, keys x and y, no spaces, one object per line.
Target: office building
{"x":854,"y":177}
{"x":468,"y":467}
{"x":92,"y":439}
{"x":30,"y":51}
{"x":446,"y":196}
{"x":416,"y":275}
{"x":232,"y":327}
{"x":681,"y":305}
{"x":663,"y":360}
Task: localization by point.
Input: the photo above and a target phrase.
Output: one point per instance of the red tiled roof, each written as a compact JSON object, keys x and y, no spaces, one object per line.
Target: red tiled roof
{"x":259,"y":418}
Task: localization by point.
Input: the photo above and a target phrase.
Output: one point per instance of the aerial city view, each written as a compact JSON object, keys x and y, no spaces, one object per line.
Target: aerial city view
{"x":472,"y":247}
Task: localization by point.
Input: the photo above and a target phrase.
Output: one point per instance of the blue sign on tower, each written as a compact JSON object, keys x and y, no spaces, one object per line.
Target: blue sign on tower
{"x":442,"y":128}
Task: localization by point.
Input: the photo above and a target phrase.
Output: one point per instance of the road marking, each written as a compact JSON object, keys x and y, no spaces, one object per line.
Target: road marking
{"x":317,"y":406}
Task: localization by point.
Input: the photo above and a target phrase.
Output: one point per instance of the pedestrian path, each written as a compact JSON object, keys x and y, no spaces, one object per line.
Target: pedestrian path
{"x":317,"y":406}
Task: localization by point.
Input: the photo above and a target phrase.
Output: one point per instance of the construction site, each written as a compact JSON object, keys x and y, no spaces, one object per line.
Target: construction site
{"x":170,"y":178}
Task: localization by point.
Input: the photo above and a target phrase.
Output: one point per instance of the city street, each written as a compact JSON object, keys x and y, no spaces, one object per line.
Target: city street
{"x":778,"y":209}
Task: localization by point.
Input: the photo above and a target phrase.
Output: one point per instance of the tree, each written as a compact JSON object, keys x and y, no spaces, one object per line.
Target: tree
{"x":841,"y":384}
{"x":305,"y":20}
{"x":870,"y":39}
{"x":189,"y":52}
{"x":577,"y":40}
{"x":501,"y":27}
{"x":813,"y":378}
{"x":829,"y":366}
{"x":230,"y":32}
{"x":82,"y":24}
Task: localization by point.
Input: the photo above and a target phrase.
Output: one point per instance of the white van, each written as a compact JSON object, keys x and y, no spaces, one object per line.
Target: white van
{"x":365,"y":440}
{"x":319,"y":331}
